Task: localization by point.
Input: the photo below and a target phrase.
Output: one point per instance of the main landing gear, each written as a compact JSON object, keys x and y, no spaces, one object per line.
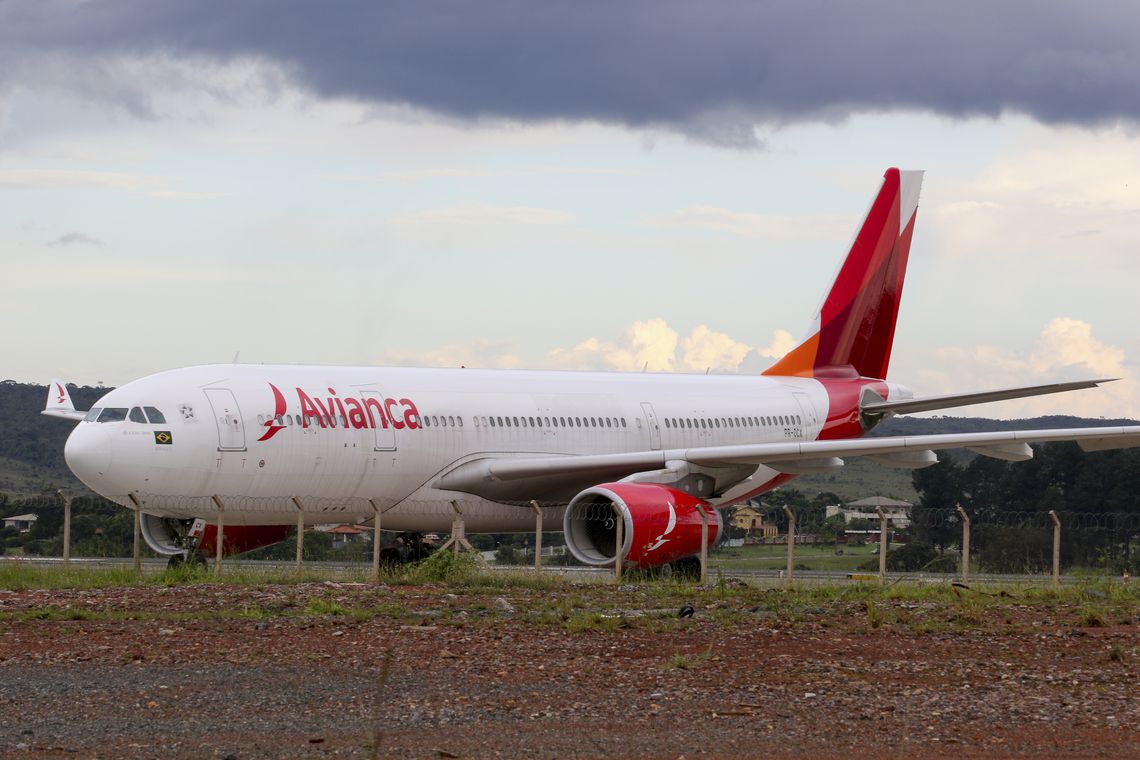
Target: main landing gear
{"x":407,"y":548}
{"x":192,"y":558}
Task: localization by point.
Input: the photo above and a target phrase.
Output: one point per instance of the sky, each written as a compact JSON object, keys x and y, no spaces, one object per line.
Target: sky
{"x":606,"y":186}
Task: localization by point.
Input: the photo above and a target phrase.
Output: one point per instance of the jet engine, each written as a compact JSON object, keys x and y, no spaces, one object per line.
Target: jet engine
{"x":171,"y":537}
{"x":659,"y":524}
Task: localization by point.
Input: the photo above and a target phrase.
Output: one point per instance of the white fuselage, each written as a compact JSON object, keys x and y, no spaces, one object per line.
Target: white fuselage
{"x":340,"y":442}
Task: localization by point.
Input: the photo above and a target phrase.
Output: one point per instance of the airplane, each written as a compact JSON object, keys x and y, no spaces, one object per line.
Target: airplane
{"x":273,"y":445}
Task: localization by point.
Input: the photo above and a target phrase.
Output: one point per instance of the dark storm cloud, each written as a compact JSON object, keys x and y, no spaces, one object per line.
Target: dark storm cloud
{"x":707,"y":67}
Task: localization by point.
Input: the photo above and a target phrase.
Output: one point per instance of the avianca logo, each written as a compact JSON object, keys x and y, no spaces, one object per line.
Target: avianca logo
{"x":366,"y":412}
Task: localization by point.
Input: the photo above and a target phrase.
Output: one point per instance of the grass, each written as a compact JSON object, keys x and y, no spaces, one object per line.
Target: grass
{"x":775,"y":557}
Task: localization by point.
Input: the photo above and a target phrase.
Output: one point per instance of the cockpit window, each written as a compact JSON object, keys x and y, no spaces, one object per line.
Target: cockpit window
{"x":136,"y":415}
{"x":113,"y":414}
{"x":156,"y":417}
{"x":93,"y":414}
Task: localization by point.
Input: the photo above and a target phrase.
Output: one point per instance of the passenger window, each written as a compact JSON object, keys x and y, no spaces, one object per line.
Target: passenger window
{"x":460,"y":421}
{"x":136,"y":415}
{"x":450,"y":420}
{"x":623,"y":421}
{"x":492,"y":422}
{"x":156,"y":417}
{"x":716,"y":422}
{"x":500,"y":419}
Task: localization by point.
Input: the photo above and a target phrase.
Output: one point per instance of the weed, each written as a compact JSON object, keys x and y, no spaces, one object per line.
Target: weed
{"x":324,"y":606}
{"x":1092,"y":617}
{"x":1116,"y":654}
{"x":874,"y":614}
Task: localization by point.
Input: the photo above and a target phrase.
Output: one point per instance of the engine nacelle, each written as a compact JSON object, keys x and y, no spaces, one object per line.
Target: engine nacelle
{"x":171,"y":537}
{"x":659,"y":524}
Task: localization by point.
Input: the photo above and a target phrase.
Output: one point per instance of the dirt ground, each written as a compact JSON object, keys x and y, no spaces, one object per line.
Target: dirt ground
{"x":337,"y":669}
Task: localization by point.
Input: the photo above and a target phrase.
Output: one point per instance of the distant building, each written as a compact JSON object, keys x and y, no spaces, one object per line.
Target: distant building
{"x":896,"y":511}
{"x":22,"y":523}
{"x":343,"y":535}
{"x":750,"y":519}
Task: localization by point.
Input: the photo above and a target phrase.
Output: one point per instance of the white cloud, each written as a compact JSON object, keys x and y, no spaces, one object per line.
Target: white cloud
{"x":1066,"y":349}
{"x":706,"y":349}
{"x":782,"y":343}
{"x":650,"y":344}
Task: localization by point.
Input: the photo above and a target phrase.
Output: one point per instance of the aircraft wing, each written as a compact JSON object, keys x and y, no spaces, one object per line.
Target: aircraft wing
{"x":931,"y":403}
{"x":59,"y":403}
{"x":489,"y":475}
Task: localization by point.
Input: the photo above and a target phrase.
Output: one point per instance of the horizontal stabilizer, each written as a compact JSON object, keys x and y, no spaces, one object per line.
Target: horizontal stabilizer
{"x":932,"y":403}
{"x":59,"y":403}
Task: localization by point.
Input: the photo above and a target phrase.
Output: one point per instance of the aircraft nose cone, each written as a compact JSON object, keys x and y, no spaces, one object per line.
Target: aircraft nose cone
{"x":88,"y":454}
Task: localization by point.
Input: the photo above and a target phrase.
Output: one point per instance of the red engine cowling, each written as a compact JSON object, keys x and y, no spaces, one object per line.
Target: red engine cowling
{"x":660,"y":524}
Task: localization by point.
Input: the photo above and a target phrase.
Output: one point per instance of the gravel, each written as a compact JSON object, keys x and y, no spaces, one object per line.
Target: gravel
{"x":425,"y":672}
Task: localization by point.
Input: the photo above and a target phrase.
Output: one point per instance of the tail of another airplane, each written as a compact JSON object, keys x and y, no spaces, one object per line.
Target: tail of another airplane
{"x":854,"y":329}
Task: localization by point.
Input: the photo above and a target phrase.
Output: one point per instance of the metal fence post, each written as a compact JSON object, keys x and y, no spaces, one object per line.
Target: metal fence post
{"x":619,"y":542}
{"x":136,"y":553}
{"x":221,"y":535}
{"x":300,"y":532}
{"x":537,"y":536}
{"x":66,"y":527}
{"x":375,"y":542}
{"x":965,"y":544}
{"x":1056,"y":548}
{"x":704,"y":545}
{"x":791,"y":544}
{"x":882,"y":545}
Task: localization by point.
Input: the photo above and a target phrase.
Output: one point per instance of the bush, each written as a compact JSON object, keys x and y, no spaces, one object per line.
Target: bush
{"x":944,"y":563}
{"x":911,"y":557}
{"x":444,"y":567}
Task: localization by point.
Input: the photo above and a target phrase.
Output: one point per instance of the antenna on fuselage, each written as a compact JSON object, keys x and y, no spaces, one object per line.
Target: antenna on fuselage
{"x":236,"y":353}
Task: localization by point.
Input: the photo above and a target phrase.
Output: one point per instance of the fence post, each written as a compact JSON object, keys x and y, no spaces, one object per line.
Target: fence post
{"x":537,"y":536}
{"x":66,"y":527}
{"x":965,"y":544}
{"x":882,"y":545}
{"x":1056,"y":548}
{"x":791,"y":544}
{"x":375,"y":542}
{"x":619,"y":542}
{"x":135,"y":551}
{"x":221,"y":535}
{"x":300,"y":532}
{"x":704,"y":545}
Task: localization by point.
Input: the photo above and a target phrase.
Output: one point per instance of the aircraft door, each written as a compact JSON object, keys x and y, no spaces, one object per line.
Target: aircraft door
{"x":227,"y":415}
{"x":654,"y":428}
{"x":811,"y":420}
{"x":385,"y":434}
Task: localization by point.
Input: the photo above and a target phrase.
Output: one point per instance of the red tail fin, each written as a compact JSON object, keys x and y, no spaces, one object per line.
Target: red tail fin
{"x":854,"y":329}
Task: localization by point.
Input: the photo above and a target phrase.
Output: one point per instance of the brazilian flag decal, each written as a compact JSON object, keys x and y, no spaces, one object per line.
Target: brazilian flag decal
{"x":163,"y":437}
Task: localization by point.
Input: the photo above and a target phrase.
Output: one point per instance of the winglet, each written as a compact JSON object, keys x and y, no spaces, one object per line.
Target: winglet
{"x":59,"y":402}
